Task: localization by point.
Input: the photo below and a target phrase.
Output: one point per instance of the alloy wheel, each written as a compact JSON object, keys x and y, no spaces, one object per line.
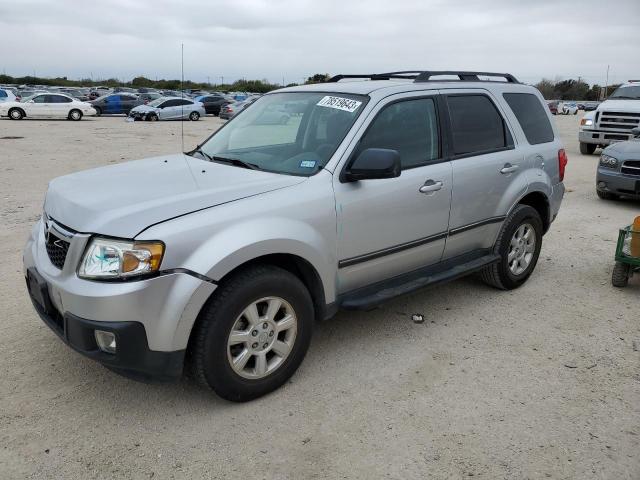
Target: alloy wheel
{"x":262,"y":338}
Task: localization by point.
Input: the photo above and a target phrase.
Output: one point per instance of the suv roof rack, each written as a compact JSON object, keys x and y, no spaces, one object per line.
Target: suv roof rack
{"x":425,"y":76}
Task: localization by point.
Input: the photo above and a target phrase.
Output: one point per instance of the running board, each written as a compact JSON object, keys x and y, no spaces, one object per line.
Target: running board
{"x":369,"y":297}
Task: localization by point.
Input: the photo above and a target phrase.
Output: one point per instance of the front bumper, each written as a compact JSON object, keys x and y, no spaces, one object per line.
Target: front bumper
{"x":152,"y":317}
{"x":602,"y":137}
{"x":133,"y":358}
{"x":617,"y":183}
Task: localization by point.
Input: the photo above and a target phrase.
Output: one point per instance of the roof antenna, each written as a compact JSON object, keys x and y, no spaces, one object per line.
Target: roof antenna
{"x":182,"y":95}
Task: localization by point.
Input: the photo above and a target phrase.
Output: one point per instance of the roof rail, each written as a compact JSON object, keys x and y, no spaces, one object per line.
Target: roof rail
{"x":409,"y":75}
{"x":425,"y":76}
{"x":464,"y":76}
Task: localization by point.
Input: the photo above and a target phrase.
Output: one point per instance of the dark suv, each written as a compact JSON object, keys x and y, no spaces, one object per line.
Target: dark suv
{"x":116,"y":103}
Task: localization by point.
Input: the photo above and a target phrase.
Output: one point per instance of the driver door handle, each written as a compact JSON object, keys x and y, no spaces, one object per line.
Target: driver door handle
{"x":508,"y":168}
{"x":431,"y":186}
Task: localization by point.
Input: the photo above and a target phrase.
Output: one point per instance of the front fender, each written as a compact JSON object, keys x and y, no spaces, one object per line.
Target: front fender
{"x":243,"y":242}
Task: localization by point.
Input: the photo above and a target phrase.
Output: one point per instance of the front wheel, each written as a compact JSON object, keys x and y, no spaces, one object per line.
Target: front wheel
{"x":253,"y":333}
{"x":587,"y":148}
{"x":16,"y":114}
{"x":620,"y":275}
{"x":152,"y":117}
{"x":98,"y":111}
{"x":194,"y":116}
{"x":518,"y":245}
{"x":75,"y":115}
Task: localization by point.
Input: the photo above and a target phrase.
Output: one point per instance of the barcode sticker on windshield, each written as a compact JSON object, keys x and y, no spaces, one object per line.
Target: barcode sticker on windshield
{"x":340,"y":103}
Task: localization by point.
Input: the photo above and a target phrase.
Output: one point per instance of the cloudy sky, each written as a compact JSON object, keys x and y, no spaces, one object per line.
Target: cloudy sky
{"x":292,"y":39}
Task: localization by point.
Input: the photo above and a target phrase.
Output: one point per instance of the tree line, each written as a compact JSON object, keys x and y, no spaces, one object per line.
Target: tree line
{"x":570,"y":89}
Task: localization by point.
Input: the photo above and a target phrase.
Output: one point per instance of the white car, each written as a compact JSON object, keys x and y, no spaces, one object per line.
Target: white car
{"x":47,"y":105}
{"x":7,"y":95}
{"x":565,"y":108}
{"x":168,"y":108}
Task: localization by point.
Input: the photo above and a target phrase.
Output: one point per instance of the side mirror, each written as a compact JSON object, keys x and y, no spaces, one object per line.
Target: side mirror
{"x":635,"y":132}
{"x":374,"y":163}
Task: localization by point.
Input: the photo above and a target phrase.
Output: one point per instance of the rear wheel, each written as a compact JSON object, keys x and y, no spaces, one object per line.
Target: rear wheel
{"x":253,"y":333}
{"x":587,"y":148}
{"x":16,"y":114}
{"x":606,"y":195}
{"x":620,"y":275}
{"x":518,"y":245}
{"x":194,"y":116}
{"x":75,"y":115}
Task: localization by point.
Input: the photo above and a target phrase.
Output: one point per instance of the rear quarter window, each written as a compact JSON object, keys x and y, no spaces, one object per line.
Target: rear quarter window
{"x":532,"y":117}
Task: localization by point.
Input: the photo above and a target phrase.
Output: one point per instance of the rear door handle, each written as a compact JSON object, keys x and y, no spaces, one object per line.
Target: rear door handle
{"x":508,"y":168}
{"x":431,"y":186}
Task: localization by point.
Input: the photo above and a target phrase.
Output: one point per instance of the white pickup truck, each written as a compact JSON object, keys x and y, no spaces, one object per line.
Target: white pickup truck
{"x":613,"y":120}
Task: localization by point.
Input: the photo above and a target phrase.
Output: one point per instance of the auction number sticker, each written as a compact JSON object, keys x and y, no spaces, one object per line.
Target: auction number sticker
{"x":339,"y":103}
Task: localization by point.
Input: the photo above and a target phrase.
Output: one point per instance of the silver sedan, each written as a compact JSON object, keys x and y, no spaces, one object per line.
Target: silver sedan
{"x":168,"y":108}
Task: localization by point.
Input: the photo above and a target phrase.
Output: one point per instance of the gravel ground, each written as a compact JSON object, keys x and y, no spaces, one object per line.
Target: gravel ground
{"x":541,"y":382}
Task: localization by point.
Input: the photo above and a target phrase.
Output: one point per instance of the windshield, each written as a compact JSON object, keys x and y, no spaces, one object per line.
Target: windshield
{"x":156,"y":102}
{"x":632,"y":92}
{"x":294,"y":133}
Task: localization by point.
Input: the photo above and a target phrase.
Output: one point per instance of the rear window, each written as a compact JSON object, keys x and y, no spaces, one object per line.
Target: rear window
{"x":476,"y":124}
{"x":531,"y":116}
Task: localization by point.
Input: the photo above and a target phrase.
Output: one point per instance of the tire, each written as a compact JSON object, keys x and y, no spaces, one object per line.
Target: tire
{"x":502,"y":275}
{"x":98,"y":111}
{"x":606,"y":195}
{"x":75,"y":115}
{"x":587,"y":148}
{"x":16,"y":114}
{"x":620,"y":275}
{"x":152,"y":117}
{"x":194,"y":116}
{"x":210,"y":353}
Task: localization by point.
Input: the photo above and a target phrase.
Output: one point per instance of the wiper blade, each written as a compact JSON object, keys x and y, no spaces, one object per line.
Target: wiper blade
{"x":235,"y":161}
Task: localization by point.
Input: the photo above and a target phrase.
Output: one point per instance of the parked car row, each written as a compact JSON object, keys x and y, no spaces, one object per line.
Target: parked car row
{"x":149,"y":104}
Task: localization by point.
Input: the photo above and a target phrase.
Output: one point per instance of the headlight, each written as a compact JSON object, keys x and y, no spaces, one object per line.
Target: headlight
{"x":105,"y":258}
{"x":586,"y":122}
{"x":607,"y":161}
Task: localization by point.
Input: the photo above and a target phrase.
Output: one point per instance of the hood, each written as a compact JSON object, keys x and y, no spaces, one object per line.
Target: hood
{"x":620,"y":106}
{"x":629,"y":150}
{"x":144,"y":109}
{"x":122,"y":200}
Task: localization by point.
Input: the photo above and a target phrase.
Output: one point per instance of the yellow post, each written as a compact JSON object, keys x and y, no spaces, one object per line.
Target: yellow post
{"x":635,"y":238}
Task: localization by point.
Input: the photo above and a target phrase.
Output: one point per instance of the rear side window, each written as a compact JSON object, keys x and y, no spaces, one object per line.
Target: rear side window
{"x":476,"y":125}
{"x":532,"y":117}
{"x":410,"y":127}
{"x":3,"y":94}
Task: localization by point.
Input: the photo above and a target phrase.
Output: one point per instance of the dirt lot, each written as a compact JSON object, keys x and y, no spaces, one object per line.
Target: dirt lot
{"x":541,"y":382}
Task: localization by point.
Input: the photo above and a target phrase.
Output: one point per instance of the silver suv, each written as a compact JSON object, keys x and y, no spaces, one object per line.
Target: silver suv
{"x":218,"y":261}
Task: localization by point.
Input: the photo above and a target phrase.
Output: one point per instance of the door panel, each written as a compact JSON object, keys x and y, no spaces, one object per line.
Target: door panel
{"x":389,"y":227}
{"x":486,"y":184}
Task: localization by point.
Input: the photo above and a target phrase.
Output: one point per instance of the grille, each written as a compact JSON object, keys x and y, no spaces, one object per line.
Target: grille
{"x":631,"y":167}
{"x":619,"y":120}
{"x":57,"y":249}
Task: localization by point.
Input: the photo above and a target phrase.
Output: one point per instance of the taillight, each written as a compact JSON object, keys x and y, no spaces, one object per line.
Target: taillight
{"x":562,"y":162}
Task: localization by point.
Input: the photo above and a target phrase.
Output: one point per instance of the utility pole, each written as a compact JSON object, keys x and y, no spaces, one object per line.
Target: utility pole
{"x":222,"y":80}
{"x":606,"y":85}
{"x":208,"y":81}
